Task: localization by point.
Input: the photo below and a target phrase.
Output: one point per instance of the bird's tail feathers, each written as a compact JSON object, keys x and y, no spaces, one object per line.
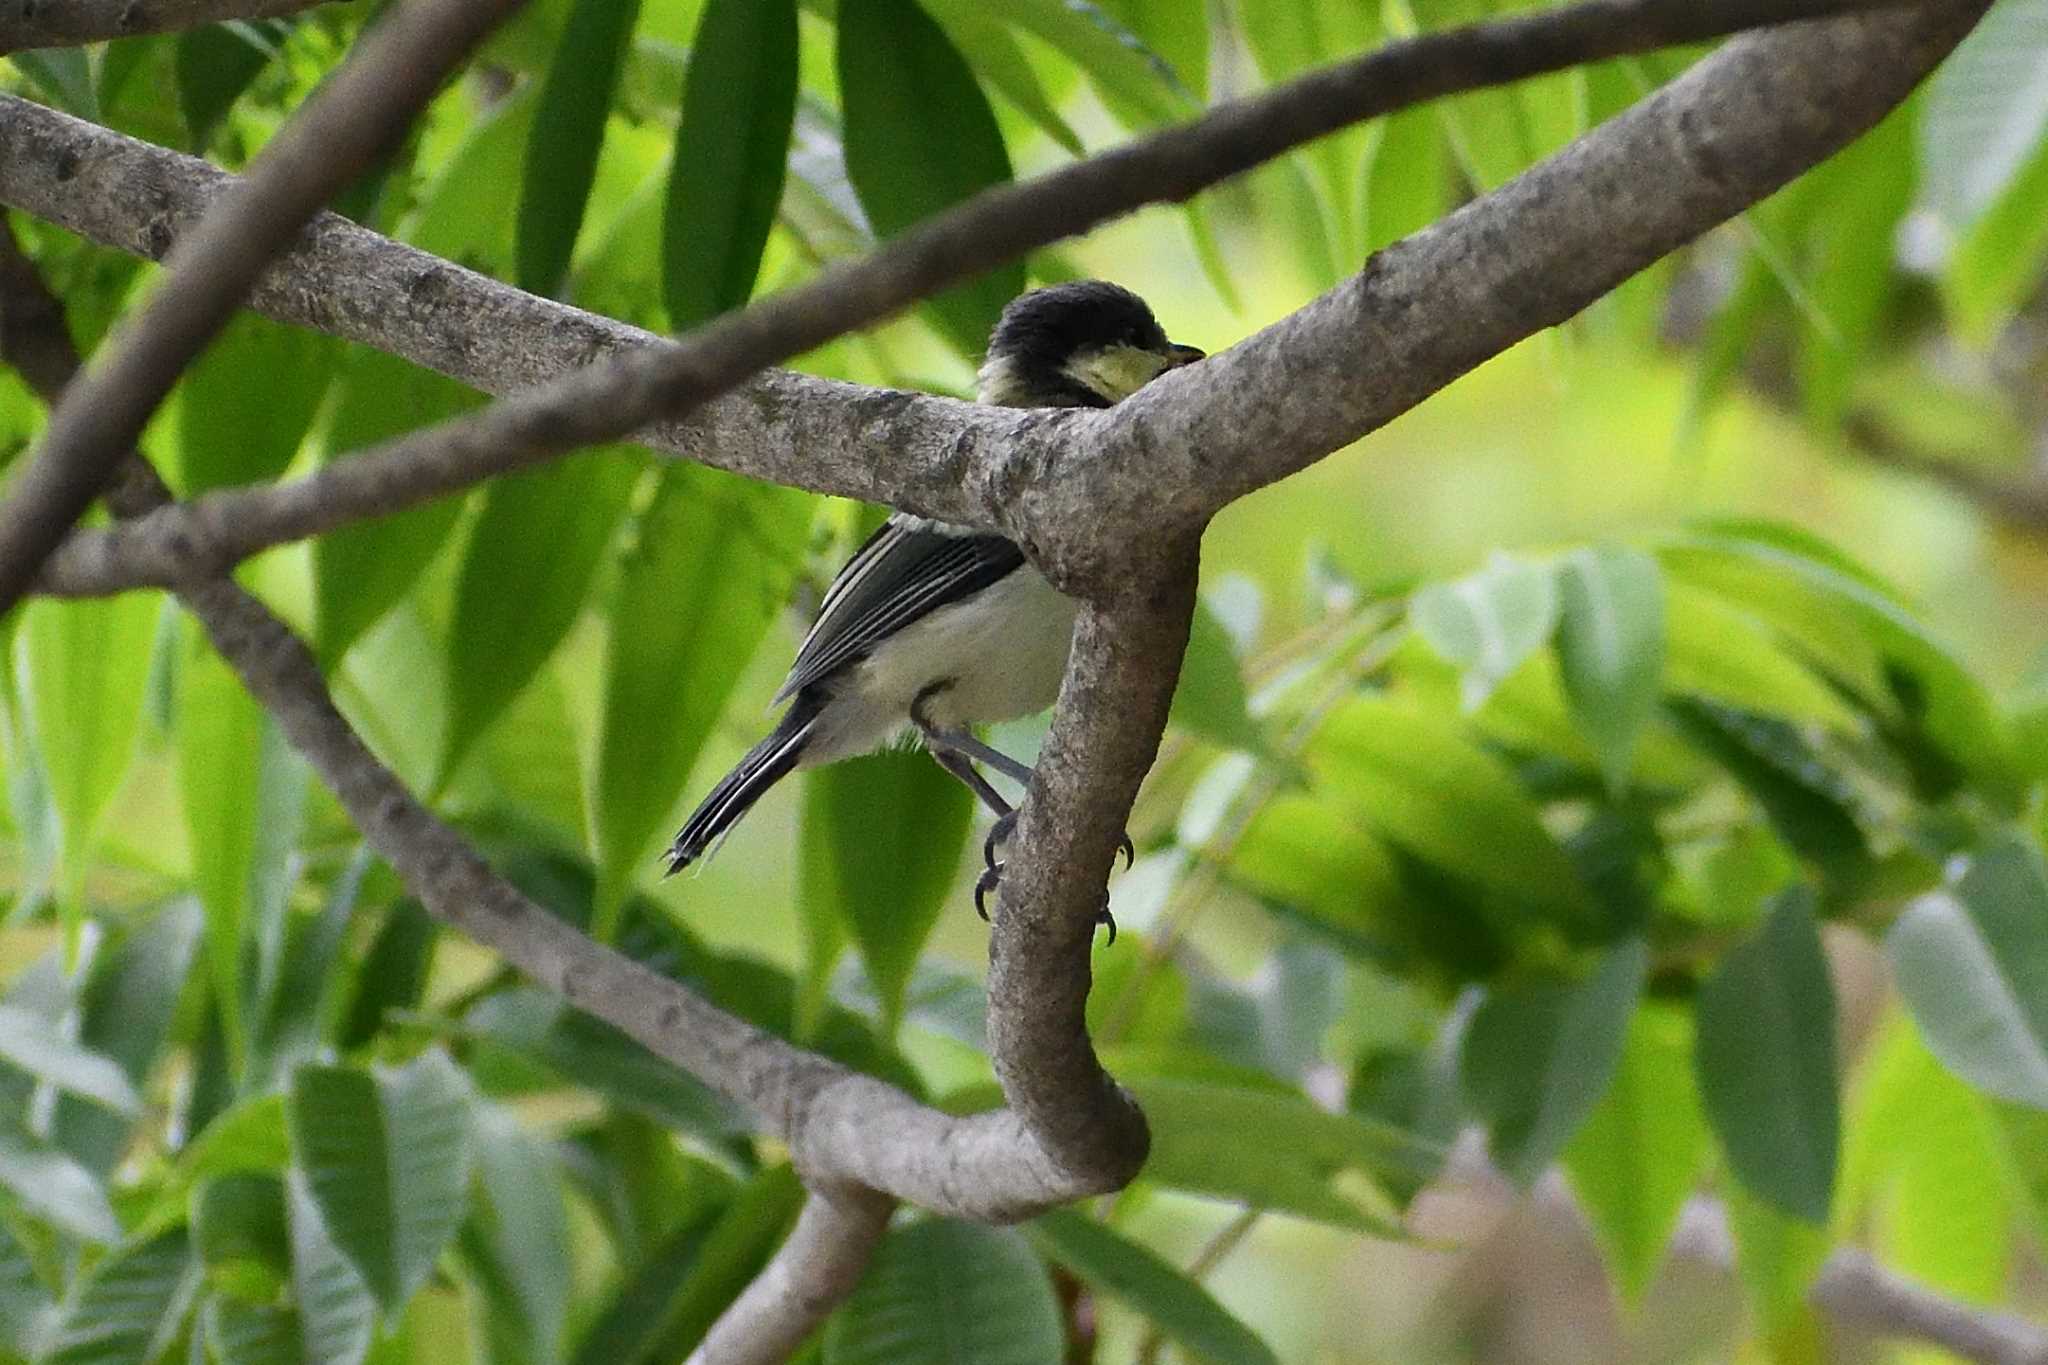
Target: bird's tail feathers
{"x":767,"y":763}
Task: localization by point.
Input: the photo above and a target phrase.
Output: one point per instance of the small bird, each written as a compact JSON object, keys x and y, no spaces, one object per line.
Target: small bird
{"x":942,"y":627}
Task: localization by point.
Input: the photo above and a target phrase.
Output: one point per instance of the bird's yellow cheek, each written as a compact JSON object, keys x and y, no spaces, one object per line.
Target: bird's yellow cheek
{"x":1116,"y":372}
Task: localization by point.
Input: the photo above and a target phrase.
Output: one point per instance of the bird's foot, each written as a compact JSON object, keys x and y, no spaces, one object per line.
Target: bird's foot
{"x":992,"y":877}
{"x":1005,"y":825}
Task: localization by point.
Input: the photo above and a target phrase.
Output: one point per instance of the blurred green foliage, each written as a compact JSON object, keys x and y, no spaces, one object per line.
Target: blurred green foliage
{"x":1617,"y":755}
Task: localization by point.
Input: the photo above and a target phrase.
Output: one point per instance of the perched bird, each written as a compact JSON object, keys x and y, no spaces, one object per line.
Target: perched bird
{"x":940,"y":627}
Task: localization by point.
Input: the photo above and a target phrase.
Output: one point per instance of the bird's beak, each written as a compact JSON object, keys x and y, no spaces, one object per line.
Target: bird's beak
{"x":1179,"y":355}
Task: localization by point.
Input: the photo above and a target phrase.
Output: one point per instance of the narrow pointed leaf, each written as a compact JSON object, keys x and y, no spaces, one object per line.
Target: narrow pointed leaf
{"x":545,"y":531}
{"x":31,"y":1042}
{"x":248,"y":401}
{"x":1488,"y":622}
{"x":920,"y":137}
{"x":568,"y":125}
{"x":130,"y":1308}
{"x":732,"y":143}
{"x":337,"y":1313}
{"x":50,"y":1185}
{"x":1182,"y":1309}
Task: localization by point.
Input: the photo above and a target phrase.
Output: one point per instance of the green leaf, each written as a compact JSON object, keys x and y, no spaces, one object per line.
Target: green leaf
{"x":587,"y":1052}
{"x":945,"y":1293}
{"x":1416,"y":778}
{"x":1766,"y":1060}
{"x":1777,"y":1258}
{"x":1716,"y":651}
{"x":631,"y":1329}
{"x":361,"y":571}
{"x":562,"y":149}
{"x":393,"y":974}
{"x":246,"y":404}
{"x":215,"y":64}
{"x":252,"y":1334}
{"x":1179,"y":1305}
{"x":53,"y":1187}
{"x":387,"y":1161}
{"x":63,"y":75}
{"x":1537,"y":1059}
{"x":129,"y":1309}
{"x":1177,"y":30}
{"x":337,"y":1315}
{"x":732,"y":143}
{"x":1972,"y":964}
{"x":1811,"y":805}
{"x":662,"y":1318}
{"x":220,"y":737}
{"x":1610,"y":648}
{"x":1488,"y":622}
{"x":86,"y":670}
{"x":1992,"y":271}
{"x":1987,"y":109}
{"x":240,"y":1231}
{"x":526,"y":568}
{"x":1209,"y":698}
{"x":1137,"y":85}
{"x":1000,"y":62}
{"x":1274,"y":1149}
{"x":712,"y":561}
{"x":1635,"y":1158}
{"x":881,"y":844}
{"x":1304,"y":852}
{"x":520,"y":1231}
{"x":920,"y":137}
{"x":26,"y":1307}
{"x":126,"y":1012}
{"x":32,"y":1042}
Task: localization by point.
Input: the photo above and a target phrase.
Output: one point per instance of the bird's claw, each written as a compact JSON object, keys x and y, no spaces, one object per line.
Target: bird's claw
{"x":1006,"y":825}
{"x":1130,"y":852}
{"x":992,"y":876}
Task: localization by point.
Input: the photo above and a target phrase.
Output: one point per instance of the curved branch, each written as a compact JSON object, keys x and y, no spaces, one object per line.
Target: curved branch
{"x":815,"y":1269}
{"x":67,"y":23}
{"x":914,"y":452}
{"x":334,"y":137}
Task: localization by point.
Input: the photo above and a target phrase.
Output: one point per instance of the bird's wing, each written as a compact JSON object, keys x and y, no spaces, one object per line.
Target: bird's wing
{"x":905,"y":570}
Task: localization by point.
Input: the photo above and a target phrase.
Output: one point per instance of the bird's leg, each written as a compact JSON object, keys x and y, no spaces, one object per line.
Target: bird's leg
{"x":957,"y":752}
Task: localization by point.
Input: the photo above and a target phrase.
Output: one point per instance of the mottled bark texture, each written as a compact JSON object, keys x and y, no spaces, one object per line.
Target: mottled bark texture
{"x":66,"y":23}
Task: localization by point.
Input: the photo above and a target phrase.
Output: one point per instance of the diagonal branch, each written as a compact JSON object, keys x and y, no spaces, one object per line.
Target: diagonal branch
{"x":347,"y":123}
{"x":67,"y":23}
{"x":923,"y":454}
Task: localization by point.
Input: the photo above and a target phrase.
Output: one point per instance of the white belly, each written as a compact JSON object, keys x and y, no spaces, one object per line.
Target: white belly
{"x":1004,"y":654}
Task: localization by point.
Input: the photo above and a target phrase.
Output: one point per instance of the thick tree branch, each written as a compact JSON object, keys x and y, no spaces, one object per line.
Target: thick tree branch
{"x":914,"y":452}
{"x":347,"y":123}
{"x":66,"y":23}
{"x":811,"y":1274}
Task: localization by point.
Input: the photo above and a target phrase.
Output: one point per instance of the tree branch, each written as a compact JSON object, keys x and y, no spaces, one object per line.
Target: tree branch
{"x":924,"y":454}
{"x":814,"y":1270}
{"x":66,"y":23}
{"x":333,"y":138}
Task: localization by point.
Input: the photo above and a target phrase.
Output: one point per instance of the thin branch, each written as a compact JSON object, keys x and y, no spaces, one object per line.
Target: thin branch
{"x":924,"y":454}
{"x":815,"y":1269}
{"x":1856,"y":1291}
{"x":338,"y":133}
{"x":67,"y":23}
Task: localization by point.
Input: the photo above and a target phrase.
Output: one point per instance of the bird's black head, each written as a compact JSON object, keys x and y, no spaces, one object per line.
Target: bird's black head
{"x":1086,"y":344}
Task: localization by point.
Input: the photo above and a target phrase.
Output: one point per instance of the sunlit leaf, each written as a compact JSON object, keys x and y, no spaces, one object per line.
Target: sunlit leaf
{"x":51,"y":1186}
{"x":939,"y":1292}
{"x":85,"y":667}
{"x":712,"y":560}
{"x":546,"y":530}
{"x":1490,"y":621}
{"x":732,"y":143}
{"x":1634,"y":1160}
{"x":1766,"y":1059}
{"x":1987,"y":109}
